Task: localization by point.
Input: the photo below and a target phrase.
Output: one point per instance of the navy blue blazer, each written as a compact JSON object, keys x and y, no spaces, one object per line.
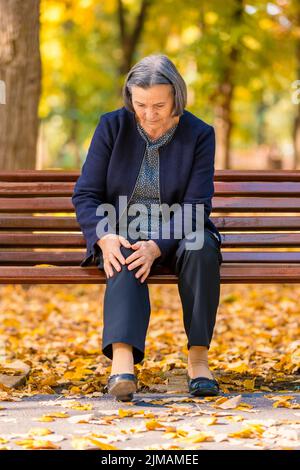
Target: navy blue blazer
{"x":114,"y":158}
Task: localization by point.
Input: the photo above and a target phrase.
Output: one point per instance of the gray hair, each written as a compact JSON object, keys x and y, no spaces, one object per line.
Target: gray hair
{"x":156,"y":69}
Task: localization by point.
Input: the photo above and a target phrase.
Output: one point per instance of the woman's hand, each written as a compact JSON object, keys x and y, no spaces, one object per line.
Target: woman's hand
{"x":110,"y":246}
{"x":146,"y":252}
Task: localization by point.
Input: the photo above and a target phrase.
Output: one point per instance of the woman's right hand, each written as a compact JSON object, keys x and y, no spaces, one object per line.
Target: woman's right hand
{"x":110,"y":246}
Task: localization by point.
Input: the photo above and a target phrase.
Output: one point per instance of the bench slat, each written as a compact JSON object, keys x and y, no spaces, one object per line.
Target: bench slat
{"x":257,"y":189}
{"x":54,"y":222}
{"x":72,"y":240}
{"x":260,"y":240}
{"x":39,"y":175}
{"x":41,"y":240}
{"x":36,"y":204}
{"x":253,"y":204}
{"x":255,"y":223}
{"x":260,"y":175}
{"x":236,"y":204}
{"x":39,"y":222}
{"x":220,"y":175}
{"x":222,"y":188}
{"x":36,"y":189}
{"x":62,"y":258}
{"x":230,"y":273}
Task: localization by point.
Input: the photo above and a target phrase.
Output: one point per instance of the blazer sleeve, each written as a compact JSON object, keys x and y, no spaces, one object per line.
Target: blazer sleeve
{"x":89,"y":190}
{"x":200,"y":188}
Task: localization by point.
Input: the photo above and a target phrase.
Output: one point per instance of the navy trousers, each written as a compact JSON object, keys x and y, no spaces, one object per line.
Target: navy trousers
{"x":127,"y":308}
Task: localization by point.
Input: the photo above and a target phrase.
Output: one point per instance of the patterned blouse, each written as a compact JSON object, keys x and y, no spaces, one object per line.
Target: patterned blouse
{"x":146,"y":189}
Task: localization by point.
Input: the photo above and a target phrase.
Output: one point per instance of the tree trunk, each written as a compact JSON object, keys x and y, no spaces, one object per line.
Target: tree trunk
{"x":296,"y":131}
{"x":223,"y":123}
{"x":20,"y":70}
{"x":296,"y":140}
{"x":224,"y":98}
{"x":129,"y":39}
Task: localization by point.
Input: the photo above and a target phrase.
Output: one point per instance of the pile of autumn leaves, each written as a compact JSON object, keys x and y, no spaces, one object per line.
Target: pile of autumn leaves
{"x":57,"y":330}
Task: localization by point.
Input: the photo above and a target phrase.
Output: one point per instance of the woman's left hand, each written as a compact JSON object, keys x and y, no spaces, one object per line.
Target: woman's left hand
{"x":146,"y":252}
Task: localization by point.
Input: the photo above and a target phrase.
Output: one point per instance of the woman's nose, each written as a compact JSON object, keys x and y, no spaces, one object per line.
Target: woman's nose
{"x":150,"y":117}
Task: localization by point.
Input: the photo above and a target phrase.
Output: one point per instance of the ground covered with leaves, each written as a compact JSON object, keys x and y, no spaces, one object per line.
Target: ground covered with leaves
{"x":57,"y":330}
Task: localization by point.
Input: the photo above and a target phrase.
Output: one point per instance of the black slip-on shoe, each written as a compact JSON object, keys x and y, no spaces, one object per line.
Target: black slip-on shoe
{"x":122,"y":386}
{"x":203,"y":387}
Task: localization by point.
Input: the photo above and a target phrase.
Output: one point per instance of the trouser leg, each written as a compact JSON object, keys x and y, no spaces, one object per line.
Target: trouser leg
{"x":126,"y":310}
{"x":127,"y":304}
{"x":199,"y":288}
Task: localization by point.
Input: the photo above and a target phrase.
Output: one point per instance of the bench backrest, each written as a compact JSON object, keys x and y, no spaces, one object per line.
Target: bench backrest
{"x":257,"y":213}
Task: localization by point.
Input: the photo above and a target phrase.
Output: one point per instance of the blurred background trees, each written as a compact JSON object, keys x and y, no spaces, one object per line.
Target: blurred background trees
{"x":240,"y":60}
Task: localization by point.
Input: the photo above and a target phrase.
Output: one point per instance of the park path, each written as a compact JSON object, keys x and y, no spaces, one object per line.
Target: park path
{"x":152,"y":421}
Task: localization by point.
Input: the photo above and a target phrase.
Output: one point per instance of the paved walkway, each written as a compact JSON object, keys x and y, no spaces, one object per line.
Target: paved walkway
{"x":153,"y":421}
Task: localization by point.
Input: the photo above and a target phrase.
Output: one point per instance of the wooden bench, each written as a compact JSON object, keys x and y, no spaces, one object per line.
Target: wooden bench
{"x":253,"y":210}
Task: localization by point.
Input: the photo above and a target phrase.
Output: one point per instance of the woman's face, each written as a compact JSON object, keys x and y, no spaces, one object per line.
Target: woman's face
{"x":153,"y":106}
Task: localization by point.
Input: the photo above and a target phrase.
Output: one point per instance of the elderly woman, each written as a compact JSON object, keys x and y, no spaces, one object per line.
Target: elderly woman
{"x":154,"y":152}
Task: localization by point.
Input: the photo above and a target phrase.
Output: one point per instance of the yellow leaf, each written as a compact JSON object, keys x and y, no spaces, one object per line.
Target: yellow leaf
{"x":45,"y":419}
{"x":101,"y":445}
{"x":238,"y":367}
{"x":58,"y":414}
{"x":88,"y":442}
{"x":244,"y":406}
{"x":45,"y":265}
{"x":208,"y":421}
{"x":200,"y":437}
{"x":153,"y":424}
{"x":39,"y":432}
{"x":251,"y":432}
{"x":80,"y":443}
{"x":125,"y":413}
{"x":265,"y":389}
{"x":36,"y":444}
{"x":235,"y":418}
{"x":50,"y":416}
{"x":230,"y":403}
{"x":285,"y":403}
{"x":82,"y":406}
{"x":75,"y":390}
{"x":249,"y":384}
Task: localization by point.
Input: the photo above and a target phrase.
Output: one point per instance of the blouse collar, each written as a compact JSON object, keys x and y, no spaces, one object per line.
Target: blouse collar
{"x":162,"y":140}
